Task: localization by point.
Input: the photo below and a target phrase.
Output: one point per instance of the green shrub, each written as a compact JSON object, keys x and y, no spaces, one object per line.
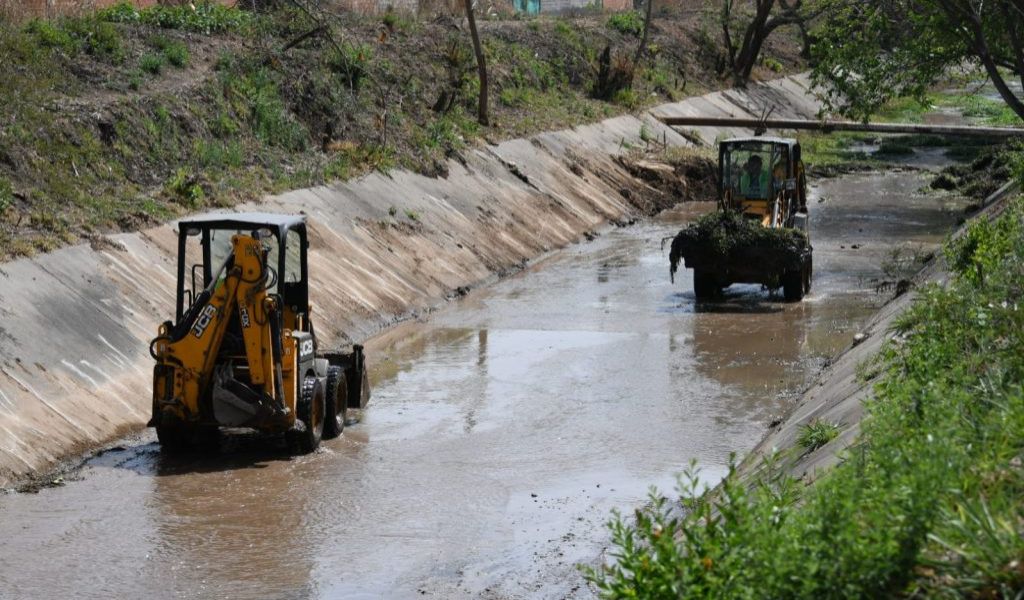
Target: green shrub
{"x":122,"y":12}
{"x":626,"y":23}
{"x":49,"y":35}
{"x":351,"y":62}
{"x":184,"y":186}
{"x":97,"y":37}
{"x":816,"y":434}
{"x":151,"y":63}
{"x":176,"y":54}
{"x":207,"y":17}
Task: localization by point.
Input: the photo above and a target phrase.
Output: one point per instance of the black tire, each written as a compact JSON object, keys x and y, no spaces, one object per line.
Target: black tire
{"x":336,"y":403}
{"x":793,"y":285}
{"x":173,"y":439}
{"x":704,"y":286}
{"x":305,"y":438}
{"x":808,"y":275}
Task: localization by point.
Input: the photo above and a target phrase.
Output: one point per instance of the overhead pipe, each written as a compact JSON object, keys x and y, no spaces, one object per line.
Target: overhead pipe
{"x":760,"y":125}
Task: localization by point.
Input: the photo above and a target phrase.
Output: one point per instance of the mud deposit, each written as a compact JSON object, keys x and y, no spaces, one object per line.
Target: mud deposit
{"x":501,"y":433}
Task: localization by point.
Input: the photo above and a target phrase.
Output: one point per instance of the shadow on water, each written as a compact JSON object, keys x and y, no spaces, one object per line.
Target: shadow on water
{"x":234,"y":450}
{"x":736,"y":299}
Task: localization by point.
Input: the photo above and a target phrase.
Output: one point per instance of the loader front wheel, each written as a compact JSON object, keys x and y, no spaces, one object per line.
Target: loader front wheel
{"x":305,"y":438}
{"x":793,"y":285}
{"x":336,"y":404}
{"x":703,"y":285}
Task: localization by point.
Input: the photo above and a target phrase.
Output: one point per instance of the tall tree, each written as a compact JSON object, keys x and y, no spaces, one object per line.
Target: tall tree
{"x":481,"y":65}
{"x":648,"y":9}
{"x":874,"y":50}
{"x":758,"y":19}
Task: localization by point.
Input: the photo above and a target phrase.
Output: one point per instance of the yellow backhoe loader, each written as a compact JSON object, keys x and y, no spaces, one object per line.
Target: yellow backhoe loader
{"x":242,"y":351}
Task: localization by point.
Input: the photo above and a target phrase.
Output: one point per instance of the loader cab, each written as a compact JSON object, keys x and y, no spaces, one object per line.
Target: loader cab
{"x":204,"y":242}
{"x":763,"y":178}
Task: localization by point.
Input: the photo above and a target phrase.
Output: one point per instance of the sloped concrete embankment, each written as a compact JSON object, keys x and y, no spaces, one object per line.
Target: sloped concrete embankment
{"x":75,"y":324}
{"x":840,"y":392}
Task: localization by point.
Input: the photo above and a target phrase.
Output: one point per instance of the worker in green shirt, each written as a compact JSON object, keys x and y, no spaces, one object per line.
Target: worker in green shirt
{"x":754,"y":180}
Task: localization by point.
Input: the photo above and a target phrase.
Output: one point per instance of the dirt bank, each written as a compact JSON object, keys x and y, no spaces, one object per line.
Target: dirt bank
{"x":75,"y":323}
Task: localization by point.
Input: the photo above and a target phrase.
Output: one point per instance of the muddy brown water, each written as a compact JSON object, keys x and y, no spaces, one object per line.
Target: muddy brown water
{"x":501,"y":433}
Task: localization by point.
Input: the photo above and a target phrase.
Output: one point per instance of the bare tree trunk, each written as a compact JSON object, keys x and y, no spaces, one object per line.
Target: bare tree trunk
{"x":481,"y":64}
{"x":643,"y":39}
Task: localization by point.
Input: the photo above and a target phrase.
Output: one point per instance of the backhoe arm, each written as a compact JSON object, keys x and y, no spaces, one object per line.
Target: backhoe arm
{"x":193,"y":345}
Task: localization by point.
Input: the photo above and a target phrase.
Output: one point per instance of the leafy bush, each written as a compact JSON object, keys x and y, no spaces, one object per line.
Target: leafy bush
{"x":89,"y":35}
{"x":626,"y":23}
{"x":207,"y":17}
{"x":927,"y":503}
{"x":49,"y":35}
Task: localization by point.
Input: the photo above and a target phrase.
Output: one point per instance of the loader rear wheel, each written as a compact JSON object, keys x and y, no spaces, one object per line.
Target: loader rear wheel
{"x":793,"y":285}
{"x":305,"y":438}
{"x":336,"y":404}
{"x":704,"y":286}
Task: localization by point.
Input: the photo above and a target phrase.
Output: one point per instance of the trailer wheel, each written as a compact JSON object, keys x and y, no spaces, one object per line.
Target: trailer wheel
{"x":336,"y":404}
{"x":306,"y":437}
{"x":703,"y":285}
{"x":793,"y":285}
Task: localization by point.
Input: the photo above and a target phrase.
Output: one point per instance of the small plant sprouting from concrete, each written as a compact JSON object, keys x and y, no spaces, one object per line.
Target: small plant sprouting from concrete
{"x":392,"y":211}
{"x":816,"y":434}
{"x":413,"y":216}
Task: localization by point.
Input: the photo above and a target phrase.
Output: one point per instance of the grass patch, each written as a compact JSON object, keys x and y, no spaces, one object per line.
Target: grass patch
{"x":816,"y":434}
{"x":629,"y":22}
{"x":928,"y":502}
{"x":152,"y":63}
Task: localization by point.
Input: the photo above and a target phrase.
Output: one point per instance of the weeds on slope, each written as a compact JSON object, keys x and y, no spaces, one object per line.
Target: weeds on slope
{"x":929,"y":501}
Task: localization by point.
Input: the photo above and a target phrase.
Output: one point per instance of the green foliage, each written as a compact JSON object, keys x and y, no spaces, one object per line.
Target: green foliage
{"x":92,"y":36}
{"x":152,"y":63}
{"x":352,"y":62}
{"x":185,"y":188}
{"x":175,"y":52}
{"x":816,"y":434}
{"x":629,"y":22}
{"x":866,"y":53}
{"x":207,"y":17}
{"x":50,"y":35}
{"x":928,"y":502}
{"x":412,"y":215}
{"x":255,"y":93}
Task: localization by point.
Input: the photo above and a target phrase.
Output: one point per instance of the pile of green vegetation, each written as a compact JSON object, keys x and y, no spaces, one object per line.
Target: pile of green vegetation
{"x":992,"y":168}
{"x":929,"y":501}
{"x":723,"y":238}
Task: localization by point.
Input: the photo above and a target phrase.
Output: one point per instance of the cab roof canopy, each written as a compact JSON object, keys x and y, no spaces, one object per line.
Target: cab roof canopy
{"x":763,"y":139}
{"x":243,"y":221}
